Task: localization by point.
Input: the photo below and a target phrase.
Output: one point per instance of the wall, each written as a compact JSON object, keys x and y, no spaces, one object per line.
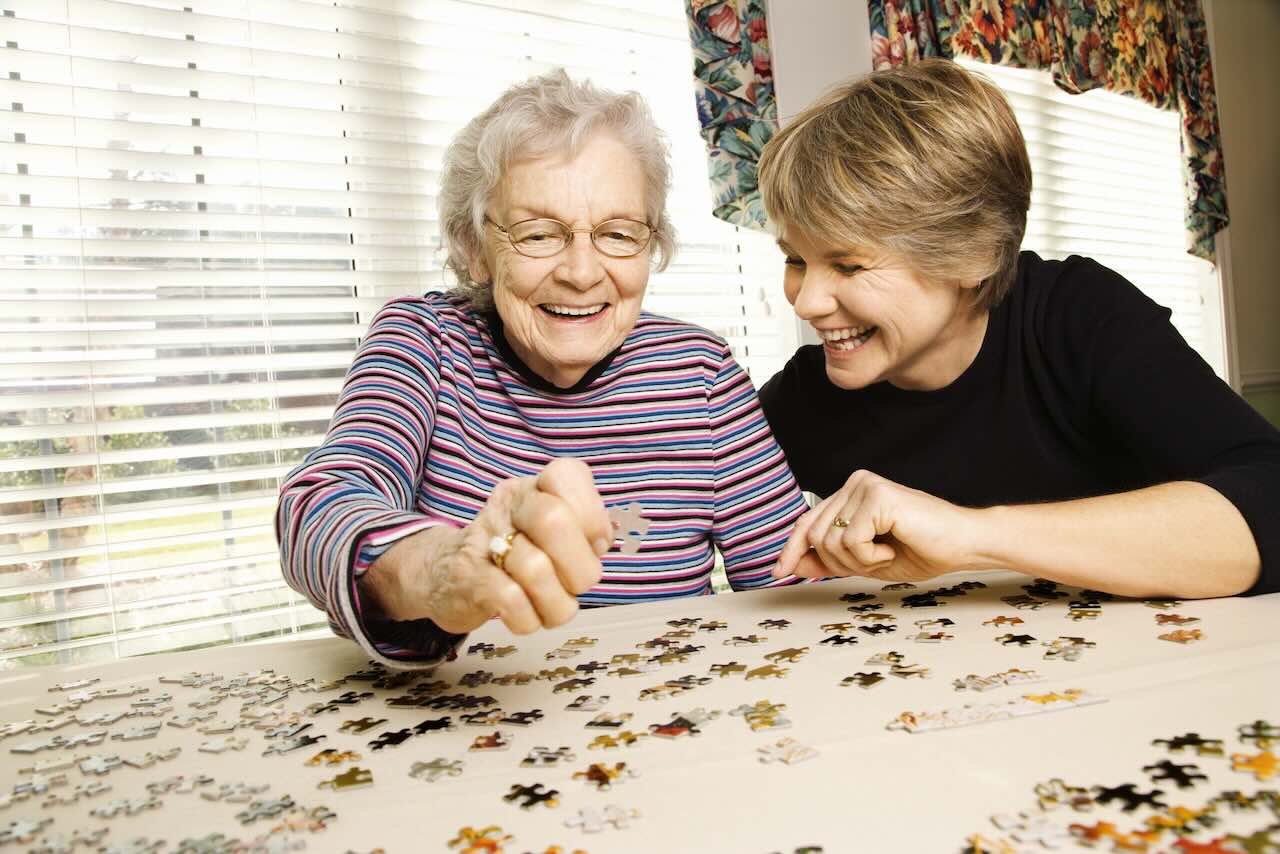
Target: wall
{"x":1246,"y":69}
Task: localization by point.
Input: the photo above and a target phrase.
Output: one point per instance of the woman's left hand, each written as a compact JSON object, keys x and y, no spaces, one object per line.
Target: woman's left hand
{"x":878,"y":528}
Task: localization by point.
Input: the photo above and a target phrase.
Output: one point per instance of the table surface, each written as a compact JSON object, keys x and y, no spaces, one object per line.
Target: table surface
{"x":869,"y":788}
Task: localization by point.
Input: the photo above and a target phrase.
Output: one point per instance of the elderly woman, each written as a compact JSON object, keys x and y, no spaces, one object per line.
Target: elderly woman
{"x":481,"y":435}
{"x":973,"y":406}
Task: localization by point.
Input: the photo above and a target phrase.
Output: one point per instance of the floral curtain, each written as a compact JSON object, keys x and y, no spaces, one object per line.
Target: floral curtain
{"x":736,"y":106}
{"x":1156,"y":50}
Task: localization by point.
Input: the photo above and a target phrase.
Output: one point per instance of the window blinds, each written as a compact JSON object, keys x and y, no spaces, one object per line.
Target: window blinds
{"x":201,"y":206}
{"x":1108,"y":185}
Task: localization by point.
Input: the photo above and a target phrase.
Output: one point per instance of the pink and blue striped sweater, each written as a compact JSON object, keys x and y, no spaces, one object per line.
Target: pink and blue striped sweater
{"x":436,"y":410}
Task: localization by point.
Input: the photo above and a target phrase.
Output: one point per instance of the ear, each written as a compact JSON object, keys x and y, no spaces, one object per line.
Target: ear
{"x":478,"y":268}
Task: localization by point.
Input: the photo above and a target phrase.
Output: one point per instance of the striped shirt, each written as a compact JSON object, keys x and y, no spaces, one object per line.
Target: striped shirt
{"x":436,"y":410}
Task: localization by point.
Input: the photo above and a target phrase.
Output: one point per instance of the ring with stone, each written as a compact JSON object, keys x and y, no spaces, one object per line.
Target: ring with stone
{"x":839,"y":522}
{"x":499,"y":548}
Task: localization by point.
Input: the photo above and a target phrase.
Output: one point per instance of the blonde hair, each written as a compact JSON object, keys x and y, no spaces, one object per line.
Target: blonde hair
{"x":546,"y":115}
{"x":926,"y":161}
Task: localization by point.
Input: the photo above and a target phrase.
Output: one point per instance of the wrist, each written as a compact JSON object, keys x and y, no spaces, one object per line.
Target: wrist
{"x":988,"y":547}
{"x":400,"y":583}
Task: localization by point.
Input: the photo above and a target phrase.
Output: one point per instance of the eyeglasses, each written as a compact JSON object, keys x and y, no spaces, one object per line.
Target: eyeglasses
{"x":542,"y":238}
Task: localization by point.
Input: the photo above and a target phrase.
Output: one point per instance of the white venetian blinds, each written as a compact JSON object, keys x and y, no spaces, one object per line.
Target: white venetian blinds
{"x":1108,"y":185}
{"x":202,"y":202}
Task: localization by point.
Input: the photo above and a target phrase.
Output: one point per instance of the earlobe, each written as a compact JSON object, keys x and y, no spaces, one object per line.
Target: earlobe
{"x":478,"y":269}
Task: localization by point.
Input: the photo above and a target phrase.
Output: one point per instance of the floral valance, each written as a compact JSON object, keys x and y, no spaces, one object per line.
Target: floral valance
{"x":736,"y":105}
{"x":1156,"y":50}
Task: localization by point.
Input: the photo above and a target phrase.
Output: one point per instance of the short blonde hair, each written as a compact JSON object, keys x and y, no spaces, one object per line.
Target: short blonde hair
{"x":926,"y":161}
{"x":546,"y":115}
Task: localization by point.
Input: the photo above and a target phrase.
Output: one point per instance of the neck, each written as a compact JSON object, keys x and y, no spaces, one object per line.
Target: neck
{"x":949,"y":356}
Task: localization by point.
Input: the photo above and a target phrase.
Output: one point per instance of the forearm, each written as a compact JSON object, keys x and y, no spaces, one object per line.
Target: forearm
{"x":397,"y":585}
{"x":1180,"y":539}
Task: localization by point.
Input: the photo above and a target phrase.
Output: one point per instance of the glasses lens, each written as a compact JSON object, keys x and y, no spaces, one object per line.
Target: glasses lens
{"x":538,"y":237}
{"x":621,"y":238}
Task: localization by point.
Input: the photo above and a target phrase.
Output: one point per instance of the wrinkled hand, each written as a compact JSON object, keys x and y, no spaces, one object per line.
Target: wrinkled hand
{"x":561,"y":531}
{"x":894,"y":533}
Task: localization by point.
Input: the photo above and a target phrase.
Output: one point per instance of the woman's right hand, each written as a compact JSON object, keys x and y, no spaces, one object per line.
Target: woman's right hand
{"x":561,"y":530}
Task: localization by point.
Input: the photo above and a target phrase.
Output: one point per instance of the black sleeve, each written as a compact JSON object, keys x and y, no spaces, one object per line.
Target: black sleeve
{"x":778,"y":399}
{"x":1150,"y":395}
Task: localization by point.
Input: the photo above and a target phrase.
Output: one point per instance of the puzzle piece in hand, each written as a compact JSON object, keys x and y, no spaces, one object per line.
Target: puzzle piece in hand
{"x":786,"y":750}
{"x":530,"y":796}
{"x":1184,"y":776}
{"x":353,"y":778}
{"x":435,"y":769}
{"x":862,"y":680}
{"x":629,"y":526}
{"x":1261,"y":733}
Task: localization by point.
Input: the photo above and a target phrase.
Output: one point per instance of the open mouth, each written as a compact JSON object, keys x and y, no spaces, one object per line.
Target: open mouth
{"x":573,"y":312}
{"x":847,"y":340}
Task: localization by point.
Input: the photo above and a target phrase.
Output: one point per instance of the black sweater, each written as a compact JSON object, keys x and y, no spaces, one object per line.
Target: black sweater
{"x":1082,"y":387}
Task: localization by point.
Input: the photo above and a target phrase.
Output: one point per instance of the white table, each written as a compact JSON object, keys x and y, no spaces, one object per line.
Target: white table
{"x":870,"y":788}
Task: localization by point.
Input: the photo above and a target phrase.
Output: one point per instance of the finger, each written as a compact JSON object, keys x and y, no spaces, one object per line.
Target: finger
{"x":530,"y":567}
{"x":796,"y":547}
{"x":859,"y":538}
{"x":834,"y":546}
{"x":512,"y":605}
{"x":551,"y":525}
{"x":811,"y":566}
{"x":570,"y":479}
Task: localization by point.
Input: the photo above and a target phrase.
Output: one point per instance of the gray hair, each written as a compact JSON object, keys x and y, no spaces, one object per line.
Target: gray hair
{"x":545,"y":114}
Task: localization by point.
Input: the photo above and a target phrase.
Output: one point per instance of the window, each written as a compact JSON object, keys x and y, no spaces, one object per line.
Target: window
{"x":202,"y":205}
{"x":1108,"y":185}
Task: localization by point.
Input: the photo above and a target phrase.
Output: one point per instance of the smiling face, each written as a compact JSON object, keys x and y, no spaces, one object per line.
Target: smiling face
{"x":565,"y":313}
{"x":878,"y":318}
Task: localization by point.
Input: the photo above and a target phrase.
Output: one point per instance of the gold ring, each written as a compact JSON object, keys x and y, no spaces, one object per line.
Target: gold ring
{"x":839,"y":522}
{"x":499,"y":548}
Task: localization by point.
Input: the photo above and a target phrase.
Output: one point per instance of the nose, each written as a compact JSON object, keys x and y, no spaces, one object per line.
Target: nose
{"x":816,"y":296}
{"x":580,"y":265}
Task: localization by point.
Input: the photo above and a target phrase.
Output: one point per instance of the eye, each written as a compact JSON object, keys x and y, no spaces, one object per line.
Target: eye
{"x":848,"y":269}
{"x":792,"y":261}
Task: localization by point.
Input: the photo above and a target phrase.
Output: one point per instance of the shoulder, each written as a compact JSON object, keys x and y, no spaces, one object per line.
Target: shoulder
{"x":440,"y":318}
{"x":801,"y":378}
{"x":655,"y":337}
{"x":1077,"y":288}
